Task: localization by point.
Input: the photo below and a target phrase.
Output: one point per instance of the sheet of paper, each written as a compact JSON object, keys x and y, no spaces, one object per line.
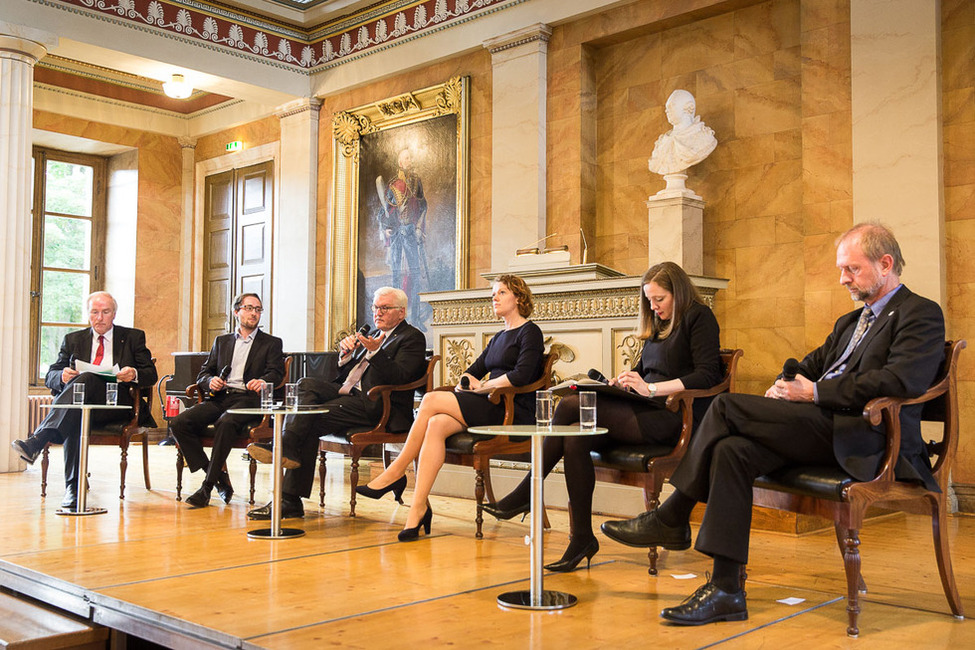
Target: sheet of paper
{"x":102,"y":371}
{"x":791,"y":601}
{"x":683,"y":576}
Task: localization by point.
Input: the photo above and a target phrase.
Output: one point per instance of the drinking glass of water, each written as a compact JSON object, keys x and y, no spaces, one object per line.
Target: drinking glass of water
{"x":587,"y":410}
{"x":291,"y":396}
{"x":543,"y":408}
{"x":267,"y":396}
{"x":111,"y":393}
{"x":78,"y":394}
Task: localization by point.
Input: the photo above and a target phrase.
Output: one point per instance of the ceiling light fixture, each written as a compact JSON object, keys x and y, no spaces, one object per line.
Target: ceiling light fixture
{"x":177,"y":87}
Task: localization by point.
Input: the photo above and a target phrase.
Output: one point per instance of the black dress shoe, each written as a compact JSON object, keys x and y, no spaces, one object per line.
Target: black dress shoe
{"x":291,"y":508}
{"x":23,"y":449}
{"x":500,"y":513}
{"x":396,"y":487}
{"x":168,"y":441}
{"x":70,"y":500}
{"x":200,"y":498}
{"x":573,"y":556}
{"x":263,"y":452}
{"x":224,"y":488}
{"x":413,"y":534}
{"x":709,"y":604}
{"x":646,"y":530}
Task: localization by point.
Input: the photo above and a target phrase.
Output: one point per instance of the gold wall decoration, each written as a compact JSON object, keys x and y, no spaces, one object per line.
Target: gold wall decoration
{"x":357,"y":264}
{"x":626,"y":350}
{"x":457,"y":354}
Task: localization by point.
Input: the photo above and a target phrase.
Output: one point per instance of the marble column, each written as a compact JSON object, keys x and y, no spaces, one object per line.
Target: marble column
{"x":518,"y":89}
{"x":676,"y":230}
{"x":293,"y":279}
{"x":20,"y":48}
{"x":897,"y":135}
{"x":187,"y":286}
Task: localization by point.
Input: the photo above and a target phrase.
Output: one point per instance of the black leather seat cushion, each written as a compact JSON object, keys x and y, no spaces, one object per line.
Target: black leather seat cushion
{"x":820,"y":482}
{"x":628,"y":458}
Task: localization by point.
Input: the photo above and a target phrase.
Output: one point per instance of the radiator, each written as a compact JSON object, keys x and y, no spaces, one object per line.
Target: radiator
{"x":34,"y":411}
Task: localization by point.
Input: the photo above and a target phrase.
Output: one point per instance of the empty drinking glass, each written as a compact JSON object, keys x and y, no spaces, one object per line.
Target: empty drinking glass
{"x":587,"y":410}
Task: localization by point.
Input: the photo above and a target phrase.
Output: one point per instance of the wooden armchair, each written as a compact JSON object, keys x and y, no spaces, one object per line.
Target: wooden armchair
{"x":648,"y":466}
{"x":260,"y":432}
{"x":831,"y":493}
{"x":472,"y":450}
{"x":353,"y":443}
{"x":117,"y":433}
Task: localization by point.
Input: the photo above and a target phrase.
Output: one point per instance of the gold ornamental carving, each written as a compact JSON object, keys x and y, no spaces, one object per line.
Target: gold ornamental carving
{"x":548,"y":307}
{"x":399,"y":105}
{"x":449,"y":99}
{"x":346,"y":129}
{"x":458,"y":355}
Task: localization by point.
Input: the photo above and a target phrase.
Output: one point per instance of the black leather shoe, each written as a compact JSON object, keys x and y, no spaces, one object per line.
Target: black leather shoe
{"x":291,"y":508}
{"x":396,"y":487}
{"x":224,"y":488}
{"x":168,"y":441}
{"x":646,"y":530}
{"x":200,"y":498}
{"x":263,"y":452}
{"x":573,"y":556}
{"x":708,"y":605}
{"x":502,"y":514}
{"x":23,"y":450}
{"x":70,"y":500}
{"x":413,"y":534}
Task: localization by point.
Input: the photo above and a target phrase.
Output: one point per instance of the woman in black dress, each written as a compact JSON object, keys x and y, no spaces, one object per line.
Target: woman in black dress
{"x":680,"y":351}
{"x":513,"y":358}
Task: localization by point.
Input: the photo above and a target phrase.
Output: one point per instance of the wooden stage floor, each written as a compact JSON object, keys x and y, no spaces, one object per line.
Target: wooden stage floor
{"x":157,"y":570}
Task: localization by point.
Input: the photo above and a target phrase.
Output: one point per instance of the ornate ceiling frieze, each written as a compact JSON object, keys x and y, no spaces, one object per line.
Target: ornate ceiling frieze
{"x":206,"y":24}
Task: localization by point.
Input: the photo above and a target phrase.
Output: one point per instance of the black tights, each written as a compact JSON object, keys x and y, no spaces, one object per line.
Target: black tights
{"x":628,"y":422}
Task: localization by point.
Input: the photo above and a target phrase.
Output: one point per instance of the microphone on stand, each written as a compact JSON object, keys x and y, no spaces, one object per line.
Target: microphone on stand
{"x":790,"y":369}
{"x":595,"y":375}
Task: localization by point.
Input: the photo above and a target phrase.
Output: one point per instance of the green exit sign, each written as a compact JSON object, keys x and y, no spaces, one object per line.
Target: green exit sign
{"x":236,"y":145}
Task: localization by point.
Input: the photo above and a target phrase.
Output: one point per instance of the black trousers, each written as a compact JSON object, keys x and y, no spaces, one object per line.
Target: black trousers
{"x":63,"y":426}
{"x":301,"y":432}
{"x":741,"y":438}
{"x":190,"y":426}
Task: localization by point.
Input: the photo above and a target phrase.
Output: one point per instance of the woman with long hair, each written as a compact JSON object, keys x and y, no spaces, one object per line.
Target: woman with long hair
{"x":680,"y":351}
{"x":512,"y":358}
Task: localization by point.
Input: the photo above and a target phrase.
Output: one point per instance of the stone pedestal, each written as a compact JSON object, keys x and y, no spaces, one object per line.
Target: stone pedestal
{"x":676,"y":230}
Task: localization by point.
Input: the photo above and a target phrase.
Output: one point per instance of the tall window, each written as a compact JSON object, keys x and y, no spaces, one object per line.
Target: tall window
{"x":68,"y":248}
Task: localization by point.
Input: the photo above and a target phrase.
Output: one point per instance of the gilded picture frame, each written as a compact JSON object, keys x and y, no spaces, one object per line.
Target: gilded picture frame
{"x":399,"y":213}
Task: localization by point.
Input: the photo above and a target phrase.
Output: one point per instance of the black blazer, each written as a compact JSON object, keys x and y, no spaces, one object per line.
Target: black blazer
{"x":264,"y":361}
{"x":898,"y":357}
{"x":128,"y":349}
{"x":400,"y":360}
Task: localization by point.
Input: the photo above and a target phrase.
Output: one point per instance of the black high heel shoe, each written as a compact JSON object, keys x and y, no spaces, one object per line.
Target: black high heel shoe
{"x":396,"y":487}
{"x":411,"y":534}
{"x":500,"y":513}
{"x":568,"y":563}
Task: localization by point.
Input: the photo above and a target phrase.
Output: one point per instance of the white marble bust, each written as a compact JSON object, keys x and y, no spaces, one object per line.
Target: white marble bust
{"x":688,"y":143}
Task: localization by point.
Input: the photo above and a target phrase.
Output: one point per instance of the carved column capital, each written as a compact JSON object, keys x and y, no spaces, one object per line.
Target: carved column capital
{"x":302,"y":105}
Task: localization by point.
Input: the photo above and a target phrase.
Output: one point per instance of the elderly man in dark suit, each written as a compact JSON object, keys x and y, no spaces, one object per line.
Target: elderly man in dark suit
{"x":106,"y":345}
{"x":239,"y":365}
{"x":893,"y":346}
{"x":394,"y":354}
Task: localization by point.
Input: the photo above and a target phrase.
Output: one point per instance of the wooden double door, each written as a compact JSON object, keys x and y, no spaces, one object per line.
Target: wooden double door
{"x":237,"y":244}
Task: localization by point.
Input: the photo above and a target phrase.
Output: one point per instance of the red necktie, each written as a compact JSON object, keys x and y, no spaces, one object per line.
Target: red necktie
{"x":100,"y":352}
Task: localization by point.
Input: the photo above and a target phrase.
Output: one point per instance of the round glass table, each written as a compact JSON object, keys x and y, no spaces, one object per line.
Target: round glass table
{"x":277,"y":413}
{"x":536,"y":597}
{"x":82,"y":509}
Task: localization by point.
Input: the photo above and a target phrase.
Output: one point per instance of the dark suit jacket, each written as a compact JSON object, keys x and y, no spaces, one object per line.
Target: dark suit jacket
{"x":264,"y":361}
{"x":400,"y":360}
{"x":128,"y":349}
{"x":898,"y":357}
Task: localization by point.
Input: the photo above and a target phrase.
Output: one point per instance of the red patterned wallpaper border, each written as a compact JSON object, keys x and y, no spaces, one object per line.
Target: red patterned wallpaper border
{"x":275,"y":42}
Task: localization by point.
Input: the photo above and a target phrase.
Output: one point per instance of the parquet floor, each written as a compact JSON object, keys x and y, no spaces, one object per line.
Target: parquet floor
{"x":191,"y":578}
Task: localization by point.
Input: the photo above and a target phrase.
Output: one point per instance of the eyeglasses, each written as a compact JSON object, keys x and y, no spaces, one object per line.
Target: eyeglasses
{"x":252,"y":308}
{"x":382,"y":309}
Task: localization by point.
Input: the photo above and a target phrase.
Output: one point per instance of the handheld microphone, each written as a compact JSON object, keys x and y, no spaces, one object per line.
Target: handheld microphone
{"x":789,"y":369}
{"x":364,"y":330}
{"x":465,"y":383}
{"x":71,"y":361}
{"x":224,"y":373}
{"x":595,"y":375}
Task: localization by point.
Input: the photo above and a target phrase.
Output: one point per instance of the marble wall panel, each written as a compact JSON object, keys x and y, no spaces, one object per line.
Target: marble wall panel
{"x":767,"y":107}
{"x":760,"y":269}
{"x":251,"y":134}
